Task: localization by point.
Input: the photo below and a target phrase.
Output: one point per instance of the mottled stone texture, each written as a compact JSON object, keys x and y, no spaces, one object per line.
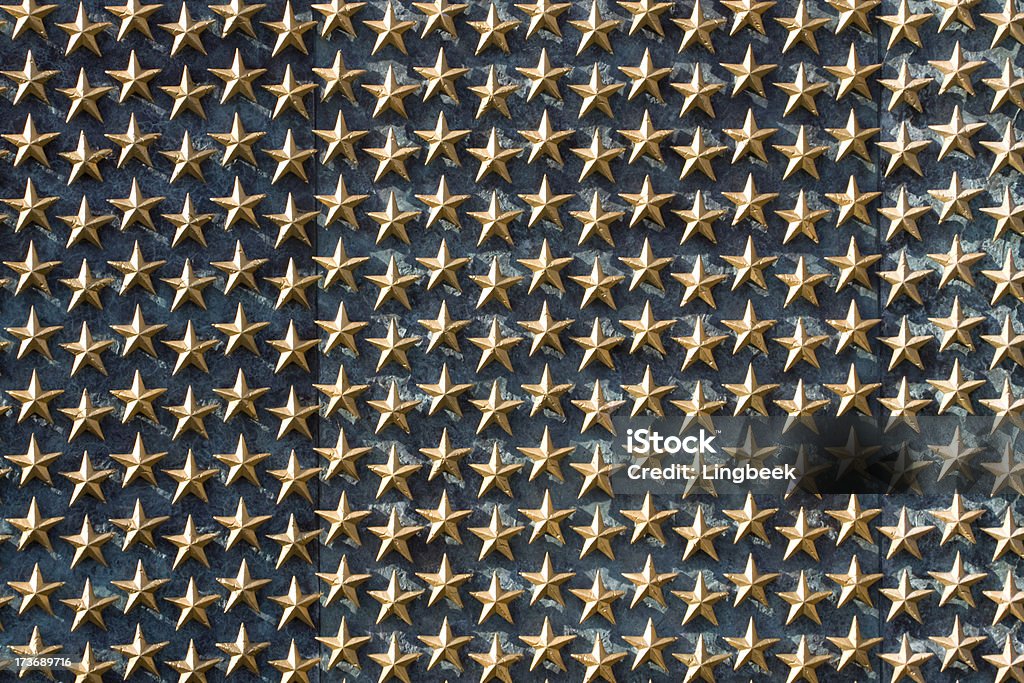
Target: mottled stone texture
{"x":976,"y":234}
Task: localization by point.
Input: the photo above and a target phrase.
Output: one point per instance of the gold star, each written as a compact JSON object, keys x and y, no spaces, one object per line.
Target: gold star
{"x":441,"y":77}
{"x":543,"y":16}
{"x":750,"y":519}
{"x":445,"y":646}
{"x":698,"y":155}
{"x":701,"y":663}
{"x":596,"y":94}
{"x":697,"y":28}
{"x":1005,"y":88}
{"x":34,"y":527}
{"x":494,"y":285}
{"x":801,"y":219}
{"x":393,"y":600}
{"x":394,"y":662}
{"x":495,"y":346}
{"x":956,"y":328}
{"x":751,"y":583}
{"x":800,"y":28}
{"x":389,"y":30}
{"x":1007,"y":280}
{"x":494,"y":222}
{"x":1008,"y":663}
{"x":594,"y":30}
{"x":31,"y":80}
{"x":547,"y":584}
{"x":700,"y":346}
{"x":84,"y":160}
{"x":392,"y":285}
{"x":187,"y":32}
{"x":751,"y":393}
{"x":544,"y":204}
{"x":544,"y":77}
{"x":193,"y":666}
{"x":290,"y":31}
{"x":344,"y":647}
{"x":190,"y":415}
{"x":597,"y":599}
{"x":904,"y":24}
{"x":700,"y":536}
{"x":294,"y":415}
{"x":31,"y":143}
{"x":956,"y":71}
{"x":495,"y":536}
{"x":803,"y":600}
{"x":344,"y":520}
{"x":393,"y":346}
{"x":89,"y":607}
{"x":649,"y":582}
{"x":956,"y":135}
{"x":493,"y":95}
{"x":801,"y":283}
{"x":340,"y":140}
{"x":597,"y":346}
{"x":243,"y":588}
{"x":750,"y":202}
{"x":392,"y":410}
{"x":441,"y":141}
{"x":134,"y":16}
{"x":440,"y":16}
{"x":238,"y":15}
{"x":598,"y":535}
{"x":852,"y":138}
{"x":337,"y":78}
{"x":547,"y":646}
{"x":341,"y":330}
{"x":646,"y":140}
{"x":546,"y":394}
{"x":290,"y":158}
{"x":444,"y":521}
{"x":390,"y":94}
{"x":140,"y":653}
{"x":748,"y":74}
{"x":134,"y":79}
{"x":493,"y":30}
{"x":906,"y":662}
{"x":958,"y":11}
{"x":751,"y":647}
{"x":546,"y":456}
{"x":1006,"y":344}
{"x":647,"y":330}
{"x":86,"y":417}
{"x":699,"y":283}
{"x":801,"y":155}
{"x":956,"y":199}
{"x":645,"y":77}
{"x":495,"y":600}
{"x":697,"y":93}
{"x":750,"y":138}
{"x":1008,"y":536}
{"x":494,"y":410}
{"x":295,"y":604}
{"x":443,"y":329}
{"x":547,"y":519}
{"x":242,"y":652}
{"x":290,"y":94}
{"x":187,"y":95}
{"x":801,"y":346}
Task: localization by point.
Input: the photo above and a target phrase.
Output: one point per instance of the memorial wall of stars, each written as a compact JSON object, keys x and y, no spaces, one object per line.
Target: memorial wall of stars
{"x":315,"y":318}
